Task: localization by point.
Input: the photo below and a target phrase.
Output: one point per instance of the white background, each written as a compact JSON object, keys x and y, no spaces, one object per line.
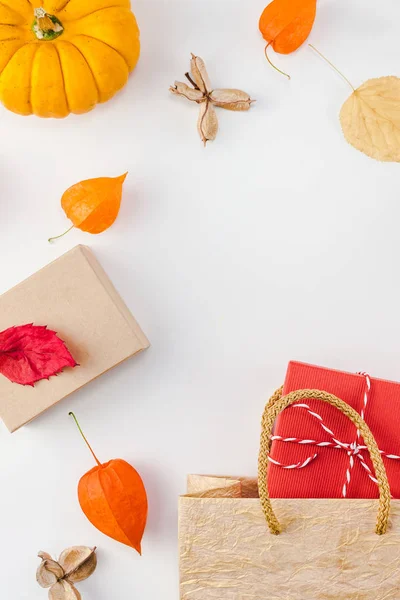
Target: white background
{"x":278,"y":241}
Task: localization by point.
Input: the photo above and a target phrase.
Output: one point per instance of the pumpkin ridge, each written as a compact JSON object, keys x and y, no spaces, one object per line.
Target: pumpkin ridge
{"x":11,"y":10}
{"x":60,"y":8}
{"x":29,"y":88}
{"x":92,"y":37}
{"x":30,"y":78}
{"x":89,"y":67}
{"x":14,"y":28}
{"x":108,"y":504}
{"x":12,"y":39}
{"x":62,"y":75}
{"x":13,"y":54}
{"x":94,"y":12}
{"x":25,"y":10}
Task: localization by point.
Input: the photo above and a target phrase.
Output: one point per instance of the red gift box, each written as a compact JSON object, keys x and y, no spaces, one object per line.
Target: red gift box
{"x":316,"y":452}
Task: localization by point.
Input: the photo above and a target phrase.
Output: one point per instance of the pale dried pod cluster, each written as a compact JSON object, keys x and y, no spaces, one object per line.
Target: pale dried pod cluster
{"x":75,"y":564}
{"x":202,"y":93}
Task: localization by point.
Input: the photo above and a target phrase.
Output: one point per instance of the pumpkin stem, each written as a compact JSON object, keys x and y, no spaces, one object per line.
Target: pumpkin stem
{"x":46,"y":27}
{"x":71,"y":414}
{"x":60,"y":236}
{"x":333,"y":66}
{"x":271,"y":63}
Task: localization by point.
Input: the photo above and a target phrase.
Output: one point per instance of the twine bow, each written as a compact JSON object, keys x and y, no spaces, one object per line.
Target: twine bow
{"x":276,"y":404}
{"x":354,"y":449}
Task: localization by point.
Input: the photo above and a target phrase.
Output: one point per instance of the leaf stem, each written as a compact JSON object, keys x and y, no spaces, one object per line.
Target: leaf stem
{"x":60,"y":236}
{"x":71,"y":414}
{"x":271,"y":63}
{"x":196,"y":87}
{"x":333,"y":66}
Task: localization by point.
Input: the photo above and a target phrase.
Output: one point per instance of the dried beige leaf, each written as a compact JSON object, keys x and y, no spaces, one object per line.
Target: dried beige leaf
{"x":208,"y":122}
{"x":231,"y":99}
{"x":181,"y":89}
{"x":78,"y":562}
{"x":199,"y":74}
{"x":370,"y":118}
{"x":49,"y":571}
{"x":62,"y":590}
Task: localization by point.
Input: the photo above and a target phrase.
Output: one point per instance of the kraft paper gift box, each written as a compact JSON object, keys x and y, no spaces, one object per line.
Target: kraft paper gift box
{"x":74,"y":297}
{"x":310,"y":463}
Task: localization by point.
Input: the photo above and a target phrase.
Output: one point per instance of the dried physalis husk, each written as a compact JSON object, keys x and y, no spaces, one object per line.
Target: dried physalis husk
{"x":78,"y":562}
{"x":63,"y":590}
{"x":44,"y":555}
{"x":49,"y":571}
{"x":203,"y":94}
{"x":75,"y":564}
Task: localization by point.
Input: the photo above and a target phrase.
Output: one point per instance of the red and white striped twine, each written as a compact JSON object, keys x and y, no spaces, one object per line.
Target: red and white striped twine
{"x":354,"y":449}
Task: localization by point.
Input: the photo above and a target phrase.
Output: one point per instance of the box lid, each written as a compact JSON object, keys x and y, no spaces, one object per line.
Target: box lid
{"x":74,"y":297}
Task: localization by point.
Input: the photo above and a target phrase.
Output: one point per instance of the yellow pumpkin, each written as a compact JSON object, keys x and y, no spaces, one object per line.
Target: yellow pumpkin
{"x":64,"y":56}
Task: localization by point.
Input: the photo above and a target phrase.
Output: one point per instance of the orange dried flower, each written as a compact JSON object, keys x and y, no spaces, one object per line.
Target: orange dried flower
{"x":286,"y":24}
{"x":93,"y":205}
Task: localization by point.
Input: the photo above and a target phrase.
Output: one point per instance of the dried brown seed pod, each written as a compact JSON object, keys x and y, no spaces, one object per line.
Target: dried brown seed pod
{"x":49,"y":571}
{"x":75,"y":564}
{"x":231,"y":99}
{"x":203,"y":94}
{"x":62,"y":590}
{"x":78,"y":562}
{"x":199,"y":73}
{"x":44,"y":555}
{"x":208,"y":122}
{"x":181,"y":89}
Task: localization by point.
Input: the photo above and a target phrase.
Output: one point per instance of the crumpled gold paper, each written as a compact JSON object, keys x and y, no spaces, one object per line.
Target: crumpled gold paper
{"x":328,"y":549}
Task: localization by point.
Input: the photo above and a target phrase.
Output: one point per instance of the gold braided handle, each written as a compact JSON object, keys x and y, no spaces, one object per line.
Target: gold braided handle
{"x":275,"y":405}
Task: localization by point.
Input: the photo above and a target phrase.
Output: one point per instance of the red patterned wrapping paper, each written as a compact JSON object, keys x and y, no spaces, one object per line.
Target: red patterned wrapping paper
{"x":326,"y":475}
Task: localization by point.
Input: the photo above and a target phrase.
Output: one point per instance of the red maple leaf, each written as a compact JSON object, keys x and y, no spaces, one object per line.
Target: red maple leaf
{"x":29,"y":353}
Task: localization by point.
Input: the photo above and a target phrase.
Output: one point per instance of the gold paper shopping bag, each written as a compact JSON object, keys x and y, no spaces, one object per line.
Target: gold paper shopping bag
{"x":232,"y":546}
